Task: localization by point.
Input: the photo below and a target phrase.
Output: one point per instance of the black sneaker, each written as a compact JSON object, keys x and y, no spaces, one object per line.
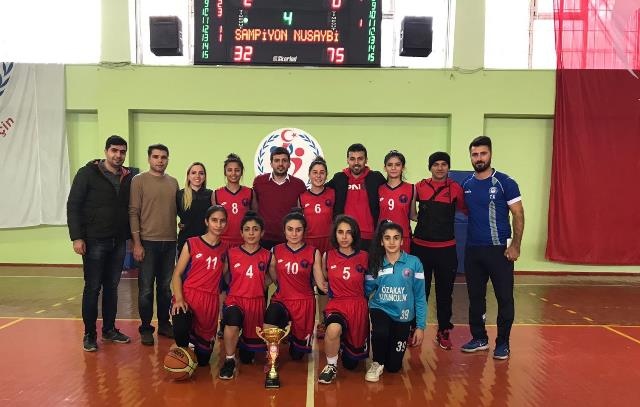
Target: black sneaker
{"x":228,"y":370}
{"x":146,"y":338}
{"x":89,"y":342}
{"x":115,"y":335}
{"x":166,"y":330}
{"x":328,"y":374}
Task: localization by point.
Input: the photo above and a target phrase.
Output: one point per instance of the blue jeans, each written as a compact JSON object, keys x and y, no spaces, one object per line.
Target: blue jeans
{"x":157,"y":266}
{"x":102,"y":266}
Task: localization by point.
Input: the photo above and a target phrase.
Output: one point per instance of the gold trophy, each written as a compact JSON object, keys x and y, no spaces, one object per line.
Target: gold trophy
{"x":272,"y":337}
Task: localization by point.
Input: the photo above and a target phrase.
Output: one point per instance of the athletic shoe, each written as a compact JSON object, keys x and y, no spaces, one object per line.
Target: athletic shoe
{"x":115,"y":335}
{"x":442,"y":339}
{"x":328,"y":374}
{"x":475,"y":345}
{"x":89,"y":342}
{"x":320,"y":330}
{"x":374,"y":372}
{"x":166,"y":330}
{"x":146,"y":338}
{"x":228,"y":370}
{"x":501,"y":352}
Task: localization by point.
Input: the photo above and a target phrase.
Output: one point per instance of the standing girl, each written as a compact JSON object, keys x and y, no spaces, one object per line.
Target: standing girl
{"x":346,"y":315}
{"x":245,"y":303}
{"x":397,"y":198}
{"x":195,"y":284}
{"x":293,"y":267}
{"x":192,"y":202}
{"x":396,"y":280}
{"x":317,"y":206}
{"x":235,"y":198}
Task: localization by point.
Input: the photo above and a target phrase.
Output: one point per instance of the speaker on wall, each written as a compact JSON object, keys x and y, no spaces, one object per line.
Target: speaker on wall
{"x":416,"y":36}
{"x":166,"y":35}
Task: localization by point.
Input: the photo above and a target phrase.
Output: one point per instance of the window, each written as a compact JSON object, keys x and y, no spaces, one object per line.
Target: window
{"x":519,"y":34}
{"x":45,"y":31}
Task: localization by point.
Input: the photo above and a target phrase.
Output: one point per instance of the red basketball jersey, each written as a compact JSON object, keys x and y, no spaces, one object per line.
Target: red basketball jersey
{"x":346,"y":273}
{"x":236,"y":205}
{"x":294,"y":272}
{"x":318,"y":211}
{"x":205,"y":267}
{"x":247,"y":272}
{"x":395,"y":205}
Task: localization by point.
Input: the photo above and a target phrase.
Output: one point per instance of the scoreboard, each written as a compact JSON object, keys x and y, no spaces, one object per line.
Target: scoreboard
{"x":287,"y":32}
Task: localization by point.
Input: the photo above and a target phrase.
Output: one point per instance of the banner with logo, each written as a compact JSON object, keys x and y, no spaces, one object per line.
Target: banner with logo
{"x":302,"y":147}
{"x":34,"y":162}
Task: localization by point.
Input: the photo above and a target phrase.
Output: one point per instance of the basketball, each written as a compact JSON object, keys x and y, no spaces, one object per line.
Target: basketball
{"x":180,"y":363}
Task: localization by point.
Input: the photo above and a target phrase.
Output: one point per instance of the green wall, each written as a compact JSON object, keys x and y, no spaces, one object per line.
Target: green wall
{"x":202,"y":113}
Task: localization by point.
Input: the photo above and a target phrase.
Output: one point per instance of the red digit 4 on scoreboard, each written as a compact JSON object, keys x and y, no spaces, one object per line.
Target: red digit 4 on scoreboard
{"x":242,"y":53}
{"x":336,"y":55}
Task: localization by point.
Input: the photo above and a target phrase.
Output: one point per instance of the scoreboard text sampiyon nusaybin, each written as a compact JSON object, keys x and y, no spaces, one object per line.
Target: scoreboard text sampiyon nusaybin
{"x":288,"y":32}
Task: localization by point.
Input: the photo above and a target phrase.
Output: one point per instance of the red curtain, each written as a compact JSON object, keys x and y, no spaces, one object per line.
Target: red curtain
{"x":593,"y":208}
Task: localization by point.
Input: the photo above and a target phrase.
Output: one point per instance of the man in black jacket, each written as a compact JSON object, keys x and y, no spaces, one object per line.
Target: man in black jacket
{"x":357,"y":192}
{"x":98,"y":220}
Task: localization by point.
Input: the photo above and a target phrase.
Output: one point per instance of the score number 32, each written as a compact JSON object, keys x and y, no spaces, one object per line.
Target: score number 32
{"x":242,"y":53}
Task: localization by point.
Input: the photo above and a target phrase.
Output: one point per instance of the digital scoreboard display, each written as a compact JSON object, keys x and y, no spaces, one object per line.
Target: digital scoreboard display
{"x":287,"y":32}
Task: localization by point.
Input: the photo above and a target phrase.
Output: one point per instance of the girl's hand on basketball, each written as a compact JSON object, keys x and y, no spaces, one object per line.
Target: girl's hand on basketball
{"x":179,"y":305}
{"x":418,"y":336}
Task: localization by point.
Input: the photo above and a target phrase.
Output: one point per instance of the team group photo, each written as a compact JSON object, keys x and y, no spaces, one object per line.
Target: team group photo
{"x":319,"y":203}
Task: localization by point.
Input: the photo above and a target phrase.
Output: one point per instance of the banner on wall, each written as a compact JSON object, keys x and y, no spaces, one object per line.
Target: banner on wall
{"x":34,"y":163}
{"x":597,"y":121}
{"x":302,"y":147}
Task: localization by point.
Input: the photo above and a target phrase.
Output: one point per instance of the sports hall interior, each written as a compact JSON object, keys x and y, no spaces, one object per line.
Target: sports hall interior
{"x":576,"y":336}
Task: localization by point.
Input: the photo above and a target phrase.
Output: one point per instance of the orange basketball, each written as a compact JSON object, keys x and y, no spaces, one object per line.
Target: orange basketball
{"x":180,"y":363}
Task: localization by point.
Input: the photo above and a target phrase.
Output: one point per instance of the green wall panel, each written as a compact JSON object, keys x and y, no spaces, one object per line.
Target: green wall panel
{"x":209,"y":138}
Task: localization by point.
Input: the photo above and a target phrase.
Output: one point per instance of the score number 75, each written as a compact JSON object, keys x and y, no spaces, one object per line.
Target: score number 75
{"x":335,"y":55}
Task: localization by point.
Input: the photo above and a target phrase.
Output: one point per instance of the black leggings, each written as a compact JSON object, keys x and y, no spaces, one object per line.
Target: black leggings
{"x":182,"y":324}
{"x":440,"y":263}
{"x":388,"y":340}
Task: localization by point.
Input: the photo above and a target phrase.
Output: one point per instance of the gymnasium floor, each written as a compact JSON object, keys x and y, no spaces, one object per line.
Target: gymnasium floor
{"x":575,"y":342}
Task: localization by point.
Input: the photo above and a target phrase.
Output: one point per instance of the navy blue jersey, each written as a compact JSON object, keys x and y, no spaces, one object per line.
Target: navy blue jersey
{"x":488,"y":203}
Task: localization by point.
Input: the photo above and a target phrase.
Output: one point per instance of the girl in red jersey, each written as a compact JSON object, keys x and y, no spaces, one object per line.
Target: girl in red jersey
{"x":347,"y":313}
{"x":292,"y":269}
{"x":245,"y":303}
{"x":397,"y":198}
{"x":235,"y":198}
{"x":317,"y":206}
{"x":195,"y":283}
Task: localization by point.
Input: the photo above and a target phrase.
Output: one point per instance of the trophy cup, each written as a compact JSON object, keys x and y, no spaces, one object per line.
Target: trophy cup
{"x":272,"y":337}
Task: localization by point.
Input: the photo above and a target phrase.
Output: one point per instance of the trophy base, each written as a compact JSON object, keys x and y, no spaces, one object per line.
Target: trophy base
{"x":272,"y":383}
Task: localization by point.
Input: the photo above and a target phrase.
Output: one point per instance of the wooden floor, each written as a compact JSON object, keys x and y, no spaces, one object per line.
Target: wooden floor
{"x":576,"y":342}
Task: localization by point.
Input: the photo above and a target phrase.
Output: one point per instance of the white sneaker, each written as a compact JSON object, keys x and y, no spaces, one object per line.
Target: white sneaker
{"x":374,"y":372}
